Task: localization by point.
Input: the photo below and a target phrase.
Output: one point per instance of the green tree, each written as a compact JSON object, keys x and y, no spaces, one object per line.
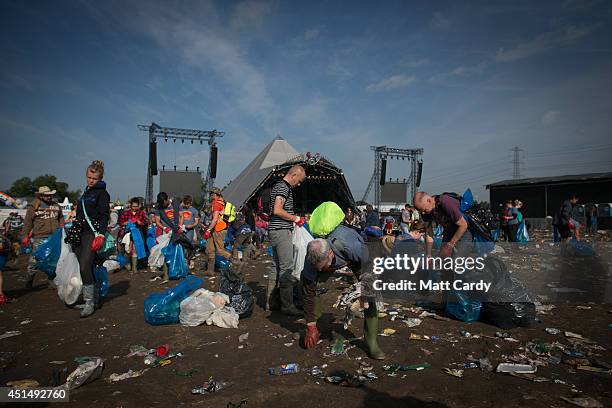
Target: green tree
{"x":22,"y":188}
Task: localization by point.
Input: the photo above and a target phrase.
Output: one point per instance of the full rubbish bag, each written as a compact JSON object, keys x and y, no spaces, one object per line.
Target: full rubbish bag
{"x":507,"y":304}
{"x":68,"y":275}
{"x":240,"y":294}
{"x":48,"y":253}
{"x":203,"y":306}
{"x":164,"y":308}
{"x":136,"y":237}
{"x":325,"y":218}
{"x":581,"y":248}
{"x":301,"y":238}
{"x":101,"y":278}
{"x":522,"y":236}
{"x":175,"y":258}
{"x":222,"y":263}
{"x":156,"y":257}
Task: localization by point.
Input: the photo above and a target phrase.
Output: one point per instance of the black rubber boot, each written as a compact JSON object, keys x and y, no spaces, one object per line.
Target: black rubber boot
{"x":286,"y":297}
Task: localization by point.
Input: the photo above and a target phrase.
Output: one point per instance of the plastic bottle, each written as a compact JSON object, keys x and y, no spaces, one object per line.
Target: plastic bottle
{"x":284,"y":369}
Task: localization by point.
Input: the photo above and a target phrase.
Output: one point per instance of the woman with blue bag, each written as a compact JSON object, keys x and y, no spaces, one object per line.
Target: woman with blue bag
{"x":88,"y":232}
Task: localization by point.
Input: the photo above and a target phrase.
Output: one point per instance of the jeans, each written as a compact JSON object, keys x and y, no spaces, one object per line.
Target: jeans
{"x":282,"y":250}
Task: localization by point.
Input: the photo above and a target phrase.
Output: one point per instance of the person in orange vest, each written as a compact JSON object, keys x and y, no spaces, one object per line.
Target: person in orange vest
{"x":216,"y":231}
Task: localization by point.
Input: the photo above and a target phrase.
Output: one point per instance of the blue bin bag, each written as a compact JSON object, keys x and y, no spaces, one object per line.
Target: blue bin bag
{"x":175,"y":258}
{"x":582,"y":248}
{"x":48,"y":252}
{"x":151,"y":237}
{"x":467,"y":201}
{"x":464,"y":309}
{"x":101,"y":277}
{"x":122,"y":260}
{"x":522,"y":236}
{"x":437,"y":238}
{"x":373,"y":232}
{"x":164,"y":308}
{"x":202,"y":243}
{"x":222,"y":263}
{"x":136,"y":236}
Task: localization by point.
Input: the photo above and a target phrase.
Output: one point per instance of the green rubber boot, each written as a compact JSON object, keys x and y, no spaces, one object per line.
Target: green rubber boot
{"x":370,"y":332}
{"x":317,"y":308}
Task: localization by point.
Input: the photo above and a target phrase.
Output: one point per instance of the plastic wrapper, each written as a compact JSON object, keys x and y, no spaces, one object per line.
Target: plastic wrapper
{"x":48,"y":253}
{"x":164,"y":308}
{"x":325,"y":218}
{"x":240,"y":294}
{"x":85,"y":373}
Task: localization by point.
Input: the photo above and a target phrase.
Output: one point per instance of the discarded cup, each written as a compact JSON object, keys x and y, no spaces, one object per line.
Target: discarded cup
{"x":162,"y":350}
{"x":284,"y":369}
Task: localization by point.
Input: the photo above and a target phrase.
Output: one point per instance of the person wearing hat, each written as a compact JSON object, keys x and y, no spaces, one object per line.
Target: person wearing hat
{"x":43,"y":217}
{"x":216,"y":230}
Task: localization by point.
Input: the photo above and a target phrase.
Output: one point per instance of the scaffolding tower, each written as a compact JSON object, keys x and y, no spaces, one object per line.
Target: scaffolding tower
{"x":193,"y":135}
{"x":415,"y":161}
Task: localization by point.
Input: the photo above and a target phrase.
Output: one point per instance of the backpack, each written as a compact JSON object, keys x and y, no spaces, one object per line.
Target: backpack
{"x":229,"y":212}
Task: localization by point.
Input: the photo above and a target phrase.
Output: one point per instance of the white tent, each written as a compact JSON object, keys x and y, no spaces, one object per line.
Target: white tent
{"x":277,"y":152}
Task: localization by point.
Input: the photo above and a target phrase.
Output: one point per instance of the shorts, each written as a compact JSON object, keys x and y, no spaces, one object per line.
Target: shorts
{"x":564,"y":231}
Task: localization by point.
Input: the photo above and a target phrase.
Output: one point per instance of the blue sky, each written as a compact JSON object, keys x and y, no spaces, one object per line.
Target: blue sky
{"x":466,"y":82}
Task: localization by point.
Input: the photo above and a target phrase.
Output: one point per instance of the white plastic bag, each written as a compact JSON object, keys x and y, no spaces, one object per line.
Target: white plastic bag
{"x":156,"y":258}
{"x":301,"y":238}
{"x":200,"y":305}
{"x":67,"y":274}
{"x":126,"y":241}
{"x":111,"y":265}
{"x":225,"y":317}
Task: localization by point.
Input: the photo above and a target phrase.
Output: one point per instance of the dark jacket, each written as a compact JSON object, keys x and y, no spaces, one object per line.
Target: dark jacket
{"x":563,"y":214}
{"x":96,"y":200}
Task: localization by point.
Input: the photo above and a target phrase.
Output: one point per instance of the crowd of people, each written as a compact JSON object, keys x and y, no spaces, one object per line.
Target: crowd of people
{"x":219,"y":231}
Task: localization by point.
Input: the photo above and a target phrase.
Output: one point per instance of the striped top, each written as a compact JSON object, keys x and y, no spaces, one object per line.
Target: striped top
{"x":283,"y":189}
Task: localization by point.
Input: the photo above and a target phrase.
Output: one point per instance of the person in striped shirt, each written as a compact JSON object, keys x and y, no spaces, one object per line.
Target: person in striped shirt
{"x":281,"y":282}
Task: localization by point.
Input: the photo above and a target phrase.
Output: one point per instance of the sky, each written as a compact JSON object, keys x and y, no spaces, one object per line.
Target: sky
{"x":465,"y":81}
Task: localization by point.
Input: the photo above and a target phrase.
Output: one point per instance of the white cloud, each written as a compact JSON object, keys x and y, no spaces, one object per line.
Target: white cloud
{"x":249,"y":13}
{"x":417,"y":63}
{"x":440,"y":22}
{"x":312,"y":33}
{"x":551,"y":117}
{"x":542,"y":43}
{"x":393,"y":82}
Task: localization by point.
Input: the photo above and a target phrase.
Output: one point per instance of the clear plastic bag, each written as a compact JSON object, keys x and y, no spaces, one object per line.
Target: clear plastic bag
{"x":200,"y":305}
{"x":68,"y":275}
{"x":301,"y":238}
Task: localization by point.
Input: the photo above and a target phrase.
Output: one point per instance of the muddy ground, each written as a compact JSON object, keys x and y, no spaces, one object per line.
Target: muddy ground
{"x":54,"y":335}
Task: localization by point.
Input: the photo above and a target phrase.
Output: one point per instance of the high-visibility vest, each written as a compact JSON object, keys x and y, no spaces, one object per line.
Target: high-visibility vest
{"x":229,"y":213}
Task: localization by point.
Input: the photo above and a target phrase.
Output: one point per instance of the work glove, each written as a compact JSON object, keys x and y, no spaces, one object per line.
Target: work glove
{"x":25,"y":242}
{"x":167,"y":230}
{"x":446,"y":250}
{"x":312,"y":336}
{"x":97,"y":242}
{"x":300,"y":221}
{"x":207,"y":234}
